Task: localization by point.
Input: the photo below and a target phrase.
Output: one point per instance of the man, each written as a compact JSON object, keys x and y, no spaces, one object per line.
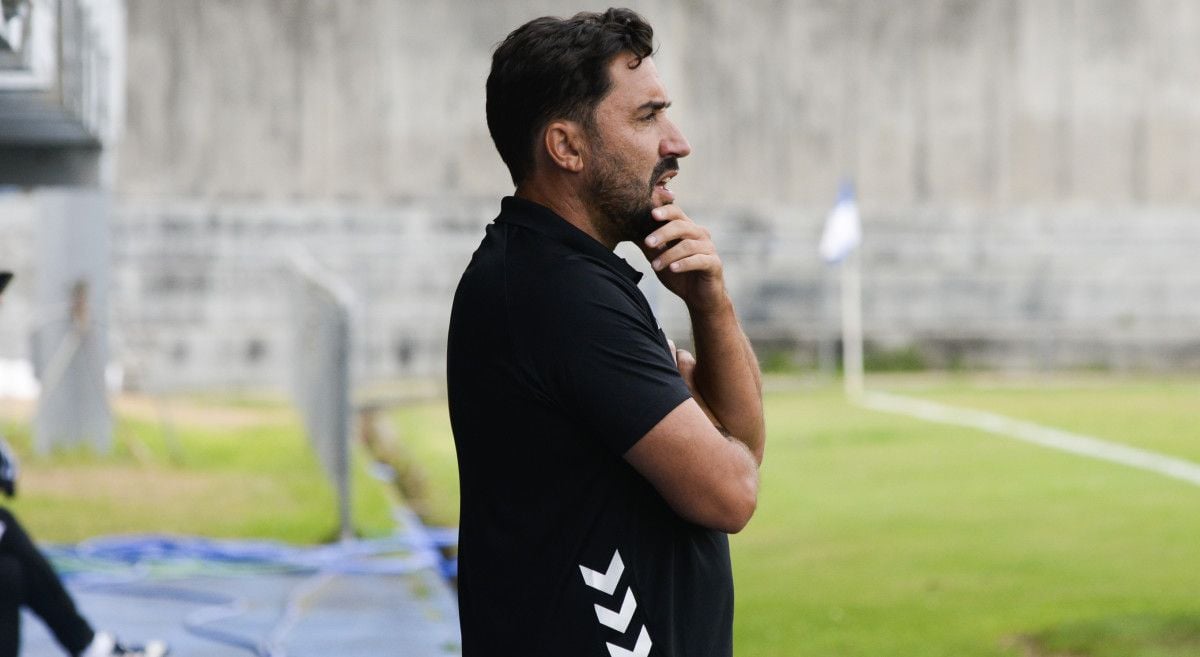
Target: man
{"x":28,"y":580}
{"x":600,"y":469}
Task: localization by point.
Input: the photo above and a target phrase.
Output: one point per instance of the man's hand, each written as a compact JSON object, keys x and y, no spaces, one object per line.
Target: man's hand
{"x":685,"y":259}
{"x":686,"y":363}
{"x":723,"y":376}
{"x":703,"y":457}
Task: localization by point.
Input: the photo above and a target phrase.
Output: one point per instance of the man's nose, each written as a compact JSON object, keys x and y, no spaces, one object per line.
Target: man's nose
{"x":674,"y":144}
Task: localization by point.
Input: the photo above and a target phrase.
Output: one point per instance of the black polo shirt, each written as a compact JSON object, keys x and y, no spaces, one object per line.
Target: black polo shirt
{"x":556,"y":367}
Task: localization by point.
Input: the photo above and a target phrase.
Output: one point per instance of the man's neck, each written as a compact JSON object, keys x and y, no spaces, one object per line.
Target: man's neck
{"x":563,"y":203}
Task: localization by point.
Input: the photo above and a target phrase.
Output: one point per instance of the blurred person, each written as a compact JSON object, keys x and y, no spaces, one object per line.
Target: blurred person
{"x":28,"y":580}
{"x":601,"y":469}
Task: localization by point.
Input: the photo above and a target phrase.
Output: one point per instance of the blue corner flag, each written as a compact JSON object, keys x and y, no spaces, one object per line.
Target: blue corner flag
{"x":843,"y":230}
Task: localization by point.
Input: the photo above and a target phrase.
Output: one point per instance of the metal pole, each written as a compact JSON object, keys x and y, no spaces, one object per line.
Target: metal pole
{"x":344,"y":419}
{"x":852,"y":340}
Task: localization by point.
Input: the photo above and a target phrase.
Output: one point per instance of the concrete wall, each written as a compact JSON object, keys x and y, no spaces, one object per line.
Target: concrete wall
{"x":224,"y":310}
{"x":17,"y":226}
{"x":1019,"y":289}
{"x":1025,"y":169}
{"x":927,"y":102}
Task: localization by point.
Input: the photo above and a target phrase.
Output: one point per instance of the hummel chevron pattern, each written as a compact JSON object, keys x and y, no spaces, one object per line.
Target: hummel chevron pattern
{"x":606,"y":582}
{"x":618,"y":621}
{"x":642,"y":649}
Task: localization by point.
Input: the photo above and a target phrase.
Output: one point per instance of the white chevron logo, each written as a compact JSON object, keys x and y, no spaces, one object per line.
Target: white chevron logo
{"x":606,"y":582}
{"x":642,"y":649}
{"x":618,"y":620}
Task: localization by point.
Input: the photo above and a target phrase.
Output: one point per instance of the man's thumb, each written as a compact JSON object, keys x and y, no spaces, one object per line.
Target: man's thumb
{"x":686,"y":363}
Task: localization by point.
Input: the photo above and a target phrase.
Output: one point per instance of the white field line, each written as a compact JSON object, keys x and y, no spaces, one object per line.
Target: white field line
{"x":1036,"y":434}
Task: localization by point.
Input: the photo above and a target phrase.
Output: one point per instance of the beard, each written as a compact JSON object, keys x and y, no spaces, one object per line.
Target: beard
{"x":621,"y":201}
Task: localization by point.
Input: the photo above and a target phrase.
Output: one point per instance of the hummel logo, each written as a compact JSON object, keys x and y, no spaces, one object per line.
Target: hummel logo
{"x":618,"y":621}
{"x":606,"y":582}
{"x":642,"y":649}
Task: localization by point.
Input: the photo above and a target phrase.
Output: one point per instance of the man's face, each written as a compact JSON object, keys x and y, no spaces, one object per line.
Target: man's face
{"x":634,"y":152}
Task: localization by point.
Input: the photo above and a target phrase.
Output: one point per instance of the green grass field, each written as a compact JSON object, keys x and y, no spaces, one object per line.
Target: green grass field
{"x":878,"y":535}
{"x":1156,"y":414}
{"x":215,"y":468}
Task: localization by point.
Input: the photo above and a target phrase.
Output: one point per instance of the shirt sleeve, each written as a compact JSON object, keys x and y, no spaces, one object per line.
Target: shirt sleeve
{"x":604,"y":360}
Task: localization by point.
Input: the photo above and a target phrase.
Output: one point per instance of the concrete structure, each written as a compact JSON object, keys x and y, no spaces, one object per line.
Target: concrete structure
{"x":944,"y":103}
{"x":61,"y":78}
{"x":1024,"y":170}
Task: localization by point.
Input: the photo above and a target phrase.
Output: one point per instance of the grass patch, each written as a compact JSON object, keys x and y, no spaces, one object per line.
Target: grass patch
{"x":424,"y":432}
{"x":879,"y":535}
{"x":1120,"y":636}
{"x":249,"y":474}
{"x":1156,"y":414}
{"x":897,"y":359}
{"x":779,"y":361}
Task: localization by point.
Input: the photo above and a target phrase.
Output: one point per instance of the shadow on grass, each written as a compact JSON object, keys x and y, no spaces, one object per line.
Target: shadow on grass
{"x":1116,"y":636}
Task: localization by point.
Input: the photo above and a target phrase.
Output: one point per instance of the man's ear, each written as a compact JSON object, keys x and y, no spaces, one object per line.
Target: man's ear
{"x":564,"y":145}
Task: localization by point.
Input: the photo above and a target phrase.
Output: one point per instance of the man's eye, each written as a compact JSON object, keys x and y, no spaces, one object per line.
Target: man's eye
{"x":650,"y":117}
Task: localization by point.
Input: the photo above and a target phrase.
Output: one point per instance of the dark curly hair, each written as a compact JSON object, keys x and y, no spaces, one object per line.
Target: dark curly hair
{"x":553,"y":68}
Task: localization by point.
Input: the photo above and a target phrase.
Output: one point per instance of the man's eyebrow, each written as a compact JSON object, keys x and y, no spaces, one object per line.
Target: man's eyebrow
{"x":655,"y":105}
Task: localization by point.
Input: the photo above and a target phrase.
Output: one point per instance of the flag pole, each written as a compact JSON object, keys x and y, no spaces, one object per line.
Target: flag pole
{"x":839,"y":244}
{"x":852,"y":340}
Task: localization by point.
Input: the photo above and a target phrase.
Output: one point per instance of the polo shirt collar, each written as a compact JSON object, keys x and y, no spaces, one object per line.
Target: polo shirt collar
{"x":539,"y":218}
